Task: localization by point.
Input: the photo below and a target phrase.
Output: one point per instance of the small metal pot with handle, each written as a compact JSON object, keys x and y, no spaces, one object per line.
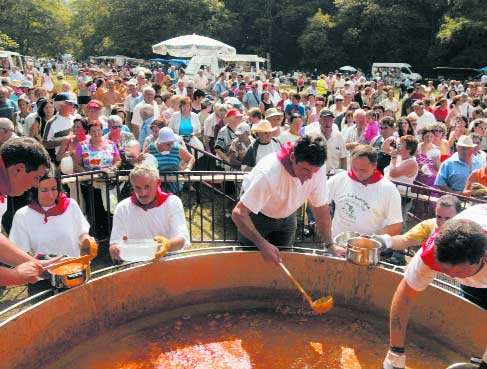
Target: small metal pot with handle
{"x":70,"y":275}
{"x":363,"y":251}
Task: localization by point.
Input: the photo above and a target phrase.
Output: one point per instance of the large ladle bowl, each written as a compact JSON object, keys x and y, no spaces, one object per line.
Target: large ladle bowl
{"x":321,"y":306}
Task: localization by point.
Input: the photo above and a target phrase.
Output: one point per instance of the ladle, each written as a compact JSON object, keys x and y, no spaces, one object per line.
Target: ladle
{"x":322,"y":305}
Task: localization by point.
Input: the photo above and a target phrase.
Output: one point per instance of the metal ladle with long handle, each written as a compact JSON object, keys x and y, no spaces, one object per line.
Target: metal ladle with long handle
{"x":322,"y":305}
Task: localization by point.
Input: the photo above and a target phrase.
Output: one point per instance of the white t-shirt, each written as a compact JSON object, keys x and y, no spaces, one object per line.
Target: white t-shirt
{"x":265,"y":149}
{"x":424,"y":120}
{"x":209,"y":127}
{"x":137,"y":119}
{"x":363,"y":208}
{"x":335,"y":146}
{"x":58,"y":128}
{"x":419,"y":275}
{"x":130,"y":102}
{"x":59,"y":235}
{"x":271,"y":190}
{"x":134,"y":222}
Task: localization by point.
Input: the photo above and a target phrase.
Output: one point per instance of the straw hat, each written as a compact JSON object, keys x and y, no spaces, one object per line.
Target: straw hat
{"x":272,"y":112}
{"x":465,"y":141}
{"x":264,"y":126}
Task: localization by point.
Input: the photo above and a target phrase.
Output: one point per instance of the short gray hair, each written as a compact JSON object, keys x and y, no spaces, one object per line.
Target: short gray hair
{"x":143,"y":170}
{"x":114,"y":119}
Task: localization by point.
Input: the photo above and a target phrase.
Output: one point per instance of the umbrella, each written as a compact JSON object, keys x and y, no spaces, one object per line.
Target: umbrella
{"x":191,"y":45}
{"x":348,"y":68}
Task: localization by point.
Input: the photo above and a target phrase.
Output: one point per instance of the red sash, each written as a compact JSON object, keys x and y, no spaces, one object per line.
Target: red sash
{"x":62,"y":205}
{"x":374,"y":178}
{"x":284,"y":156}
{"x":160,"y":199}
{"x":428,"y":252}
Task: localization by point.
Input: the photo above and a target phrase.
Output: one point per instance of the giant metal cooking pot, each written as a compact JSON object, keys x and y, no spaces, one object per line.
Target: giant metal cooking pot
{"x":50,"y":328}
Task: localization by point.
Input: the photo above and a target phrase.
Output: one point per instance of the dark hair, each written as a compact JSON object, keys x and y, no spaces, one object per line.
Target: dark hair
{"x":410,"y":142}
{"x":294,"y":116}
{"x":51,"y":173}
{"x":450,"y":201}
{"x":400,"y":131}
{"x":460,"y":241}
{"x":388,"y":121}
{"x":296,"y":96}
{"x":380,"y":107}
{"x":84,"y":123}
{"x":198,"y":93}
{"x":311,"y":148}
{"x":365,"y":151}
{"x":255,"y":113}
{"x":27,"y":151}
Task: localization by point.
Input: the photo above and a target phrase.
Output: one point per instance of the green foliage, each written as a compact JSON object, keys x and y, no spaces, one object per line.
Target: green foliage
{"x":7,"y":43}
{"x":318,"y":49}
{"x":38,"y":26}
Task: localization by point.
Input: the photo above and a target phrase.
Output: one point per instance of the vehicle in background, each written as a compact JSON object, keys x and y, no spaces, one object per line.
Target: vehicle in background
{"x":393,"y":73}
{"x":114,"y":61}
{"x":241,"y":63}
{"x":9,"y":59}
{"x":459,"y":74}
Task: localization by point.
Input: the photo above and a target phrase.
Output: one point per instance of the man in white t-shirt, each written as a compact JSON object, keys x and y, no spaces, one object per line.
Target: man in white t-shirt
{"x":148,"y":98}
{"x":458,"y":250}
{"x":423,"y":117}
{"x":59,"y":127}
{"x":336,"y":152}
{"x":365,"y":201}
{"x":275,"y":189}
{"x":148,"y":213}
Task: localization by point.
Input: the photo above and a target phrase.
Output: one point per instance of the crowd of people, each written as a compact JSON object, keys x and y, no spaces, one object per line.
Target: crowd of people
{"x":357,"y":130}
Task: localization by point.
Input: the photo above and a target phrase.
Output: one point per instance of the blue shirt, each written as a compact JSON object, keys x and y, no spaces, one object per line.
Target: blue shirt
{"x":145,"y":130}
{"x":291,"y":108}
{"x":454,"y":172}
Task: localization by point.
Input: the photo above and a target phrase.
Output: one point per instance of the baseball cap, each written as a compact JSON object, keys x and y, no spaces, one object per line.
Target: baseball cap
{"x":242,"y":128}
{"x":166,"y":134}
{"x":233,"y":113}
{"x":64,"y":97}
{"x":326,"y":113}
{"x":94,"y":104}
{"x":338,"y":97}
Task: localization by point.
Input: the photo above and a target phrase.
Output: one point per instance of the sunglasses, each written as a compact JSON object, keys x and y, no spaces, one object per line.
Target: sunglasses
{"x":116,"y":127}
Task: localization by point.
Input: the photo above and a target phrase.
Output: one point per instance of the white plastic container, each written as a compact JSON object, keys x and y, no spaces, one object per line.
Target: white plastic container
{"x":138,"y":250}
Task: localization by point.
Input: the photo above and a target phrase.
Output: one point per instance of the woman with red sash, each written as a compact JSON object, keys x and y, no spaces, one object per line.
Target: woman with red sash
{"x":52,"y":224}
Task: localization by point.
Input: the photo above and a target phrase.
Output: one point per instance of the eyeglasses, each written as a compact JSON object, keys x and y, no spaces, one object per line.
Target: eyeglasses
{"x":385,"y":127}
{"x":116,"y":127}
{"x":437,"y":131}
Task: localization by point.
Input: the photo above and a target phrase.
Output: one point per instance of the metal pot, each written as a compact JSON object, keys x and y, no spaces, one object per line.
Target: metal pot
{"x":342,"y":238}
{"x":363,"y":251}
{"x":70,"y":275}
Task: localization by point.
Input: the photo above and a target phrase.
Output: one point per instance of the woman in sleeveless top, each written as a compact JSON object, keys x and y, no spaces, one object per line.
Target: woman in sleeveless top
{"x":428,"y":158}
{"x":266,"y":102}
{"x":403,"y":166}
{"x":170,"y":156}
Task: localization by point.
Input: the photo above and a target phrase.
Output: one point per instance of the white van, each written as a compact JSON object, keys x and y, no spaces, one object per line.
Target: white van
{"x":393,"y":73}
{"x":245,"y":64}
{"x":9,"y":59}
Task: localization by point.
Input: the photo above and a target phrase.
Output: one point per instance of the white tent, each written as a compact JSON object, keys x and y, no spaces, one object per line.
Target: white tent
{"x":191,"y":45}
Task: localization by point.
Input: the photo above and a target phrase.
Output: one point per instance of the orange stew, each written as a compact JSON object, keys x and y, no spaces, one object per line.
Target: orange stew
{"x":284,"y":338}
{"x":68,"y":269}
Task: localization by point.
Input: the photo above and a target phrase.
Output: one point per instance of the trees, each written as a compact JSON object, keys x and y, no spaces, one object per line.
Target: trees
{"x":38,"y":26}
